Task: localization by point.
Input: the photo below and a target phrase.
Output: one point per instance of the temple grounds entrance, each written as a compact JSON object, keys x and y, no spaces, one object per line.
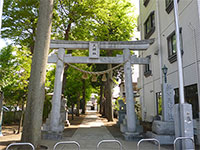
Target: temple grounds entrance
{"x":55,"y":126}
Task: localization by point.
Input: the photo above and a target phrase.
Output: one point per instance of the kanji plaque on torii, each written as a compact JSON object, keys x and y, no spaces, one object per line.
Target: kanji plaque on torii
{"x":94,"y":50}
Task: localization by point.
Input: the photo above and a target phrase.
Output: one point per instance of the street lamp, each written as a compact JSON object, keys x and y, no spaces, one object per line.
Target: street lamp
{"x":164,"y":69}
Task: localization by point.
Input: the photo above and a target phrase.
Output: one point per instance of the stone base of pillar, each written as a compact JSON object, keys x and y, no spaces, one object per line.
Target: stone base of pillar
{"x":183,"y":125}
{"x":123,"y":125}
{"x":55,"y":132}
{"x":50,"y":135}
{"x":163,"y":131}
{"x":163,"y":127}
{"x":163,"y":139}
{"x":131,"y":136}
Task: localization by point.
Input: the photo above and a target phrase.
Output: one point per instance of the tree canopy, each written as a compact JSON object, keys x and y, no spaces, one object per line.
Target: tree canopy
{"x":20,"y":21}
{"x":15,"y":67}
{"x":88,"y":20}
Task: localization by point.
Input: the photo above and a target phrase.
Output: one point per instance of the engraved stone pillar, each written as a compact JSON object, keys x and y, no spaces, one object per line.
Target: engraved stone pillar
{"x":168,"y":102}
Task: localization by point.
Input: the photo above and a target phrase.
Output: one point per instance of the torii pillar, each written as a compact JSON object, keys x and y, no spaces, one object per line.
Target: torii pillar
{"x":130,"y":103}
{"x":55,"y":120}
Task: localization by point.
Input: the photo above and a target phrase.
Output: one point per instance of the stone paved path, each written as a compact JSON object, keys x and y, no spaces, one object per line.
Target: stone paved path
{"x":91,"y":131}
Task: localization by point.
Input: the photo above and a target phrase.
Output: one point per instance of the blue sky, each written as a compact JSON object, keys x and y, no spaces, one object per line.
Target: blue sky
{"x":2,"y":43}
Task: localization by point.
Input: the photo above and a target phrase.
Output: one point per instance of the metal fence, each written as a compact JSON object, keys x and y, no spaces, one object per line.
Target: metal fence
{"x":148,"y":140}
{"x":109,"y":141}
{"x":67,"y":142}
{"x":20,"y":144}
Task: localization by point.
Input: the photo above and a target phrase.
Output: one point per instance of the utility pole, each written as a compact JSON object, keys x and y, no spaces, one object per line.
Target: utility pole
{"x":183,"y":111}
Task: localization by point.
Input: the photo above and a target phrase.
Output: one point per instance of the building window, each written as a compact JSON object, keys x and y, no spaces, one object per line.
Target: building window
{"x":191,"y":97}
{"x":171,"y":43}
{"x":169,"y":5}
{"x":149,"y":25}
{"x":146,"y":2}
{"x":147,"y":69}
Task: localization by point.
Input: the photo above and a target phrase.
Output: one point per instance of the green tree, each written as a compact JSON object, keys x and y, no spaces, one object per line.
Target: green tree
{"x":20,"y":21}
{"x":105,"y":20}
{"x":74,"y":86}
{"x":14,"y":73}
{"x":95,"y":20}
{"x":116,"y":23}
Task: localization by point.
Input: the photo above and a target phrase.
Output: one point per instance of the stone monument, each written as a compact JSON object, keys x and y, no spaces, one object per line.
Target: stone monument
{"x":163,"y":130}
{"x":46,"y":130}
{"x":121,"y":112}
{"x":122,"y":121}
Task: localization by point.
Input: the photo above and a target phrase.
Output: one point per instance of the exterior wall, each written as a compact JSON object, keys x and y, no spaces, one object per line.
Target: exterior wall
{"x":197,"y":35}
{"x":189,"y":22}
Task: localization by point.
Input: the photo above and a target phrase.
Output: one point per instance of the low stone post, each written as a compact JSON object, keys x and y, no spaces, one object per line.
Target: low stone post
{"x":184,"y":126}
{"x":55,"y":125}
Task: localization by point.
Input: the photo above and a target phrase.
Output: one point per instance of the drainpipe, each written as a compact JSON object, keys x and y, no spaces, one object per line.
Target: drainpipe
{"x":198,"y":5}
{"x":160,"y":54}
{"x":159,"y":42}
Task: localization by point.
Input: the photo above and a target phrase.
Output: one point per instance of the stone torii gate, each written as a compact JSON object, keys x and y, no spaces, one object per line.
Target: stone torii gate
{"x":94,"y":57}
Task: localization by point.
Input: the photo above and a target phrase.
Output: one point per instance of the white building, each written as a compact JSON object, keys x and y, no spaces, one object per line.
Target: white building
{"x":156,"y":20}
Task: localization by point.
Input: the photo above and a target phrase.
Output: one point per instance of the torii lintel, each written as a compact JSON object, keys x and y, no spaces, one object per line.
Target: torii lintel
{"x":105,"y":45}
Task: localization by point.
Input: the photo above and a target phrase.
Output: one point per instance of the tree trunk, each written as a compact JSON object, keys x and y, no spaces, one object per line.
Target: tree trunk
{"x":73,"y":111}
{"x":84,"y":101}
{"x":101,"y":99}
{"x":1,"y":111}
{"x":109,"y":110}
{"x":36,"y":91}
{"x":104,"y":101}
{"x":78,"y":105}
{"x":1,"y":102}
{"x":21,"y":118}
{"x":64,"y":78}
{"x":69,"y":52}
